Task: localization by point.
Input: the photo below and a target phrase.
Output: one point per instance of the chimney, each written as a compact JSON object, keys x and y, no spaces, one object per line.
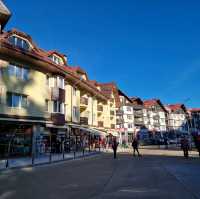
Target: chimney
{"x":5,"y":14}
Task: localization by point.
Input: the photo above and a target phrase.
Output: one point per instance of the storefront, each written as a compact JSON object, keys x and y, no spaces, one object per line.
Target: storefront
{"x":15,"y":139}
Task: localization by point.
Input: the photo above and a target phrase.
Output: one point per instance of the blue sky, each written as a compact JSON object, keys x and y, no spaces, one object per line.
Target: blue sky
{"x":150,"y":49}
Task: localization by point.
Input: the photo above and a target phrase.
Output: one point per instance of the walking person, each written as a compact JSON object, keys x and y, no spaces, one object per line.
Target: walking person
{"x":135,"y":145}
{"x":114,"y":147}
{"x":185,"y":146}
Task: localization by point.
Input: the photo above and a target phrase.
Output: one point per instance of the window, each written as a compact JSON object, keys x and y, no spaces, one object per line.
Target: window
{"x":58,"y":107}
{"x":128,"y":108}
{"x":16,"y":100}
{"x":61,"y":82}
{"x":56,"y":59}
{"x":18,"y":72}
{"x":46,"y":105}
{"x":19,"y":42}
{"x":75,"y":112}
{"x":74,"y":91}
{"x":130,"y":126}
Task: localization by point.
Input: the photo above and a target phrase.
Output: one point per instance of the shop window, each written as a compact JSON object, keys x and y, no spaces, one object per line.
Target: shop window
{"x":19,"y":42}
{"x":18,"y":71}
{"x":16,"y":100}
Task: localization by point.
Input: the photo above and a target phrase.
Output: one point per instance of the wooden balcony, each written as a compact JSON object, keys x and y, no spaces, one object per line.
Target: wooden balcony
{"x":83,"y":103}
{"x":112,"y":113}
{"x":100,"y":108}
{"x":138,"y":122}
{"x":100,"y":123}
{"x":119,"y":112}
{"x":119,"y":121}
{"x":84,"y":120}
{"x":58,"y":118}
{"x":58,"y":94}
{"x":112,"y":126}
{"x":138,"y":113}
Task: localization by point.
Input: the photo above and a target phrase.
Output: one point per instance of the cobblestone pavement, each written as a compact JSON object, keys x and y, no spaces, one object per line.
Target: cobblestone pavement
{"x":157,"y":174}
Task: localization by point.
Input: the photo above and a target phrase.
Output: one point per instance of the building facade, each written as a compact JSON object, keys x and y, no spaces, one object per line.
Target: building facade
{"x":177,"y":119}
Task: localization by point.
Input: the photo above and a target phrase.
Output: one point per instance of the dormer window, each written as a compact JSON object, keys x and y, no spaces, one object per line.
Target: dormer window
{"x":19,"y":42}
{"x":56,"y":59}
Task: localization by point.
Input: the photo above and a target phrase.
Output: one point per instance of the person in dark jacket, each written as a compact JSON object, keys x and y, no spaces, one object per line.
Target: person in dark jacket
{"x":114,"y":147}
{"x":185,"y":146}
{"x":135,"y":145}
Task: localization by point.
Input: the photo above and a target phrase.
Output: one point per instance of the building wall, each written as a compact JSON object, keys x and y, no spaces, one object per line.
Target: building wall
{"x":35,"y":88}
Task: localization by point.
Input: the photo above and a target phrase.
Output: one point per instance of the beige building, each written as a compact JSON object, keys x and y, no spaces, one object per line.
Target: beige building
{"x":42,"y":99}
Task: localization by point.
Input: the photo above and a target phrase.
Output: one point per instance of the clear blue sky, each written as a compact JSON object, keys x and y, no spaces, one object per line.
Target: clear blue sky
{"x":149,"y":48}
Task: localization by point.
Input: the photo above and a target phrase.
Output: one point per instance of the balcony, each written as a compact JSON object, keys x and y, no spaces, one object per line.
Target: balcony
{"x":84,"y":120}
{"x":83,"y":103}
{"x":100,"y":124}
{"x":119,"y":112}
{"x":138,"y":113}
{"x":112,"y":113}
{"x":100,"y":108}
{"x":58,"y":94}
{"x":119,"y":121}
{"x":58,"y":118}
{"x":138,"y":122}
{"x":156,"y":117}
{"x":137,"y":107}
{"x":112,"y":126}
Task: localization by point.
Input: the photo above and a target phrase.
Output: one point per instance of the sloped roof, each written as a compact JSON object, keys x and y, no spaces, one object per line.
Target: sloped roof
{"x":175,"y":107}
{"x":153,"y":102}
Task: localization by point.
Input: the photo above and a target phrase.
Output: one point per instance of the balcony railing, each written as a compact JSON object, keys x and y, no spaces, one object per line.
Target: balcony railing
{"x":138,"y":122}
{"x":156,"y":117}
{"x":58,"y":94}
{"x":84,"y":101}
{"x":138,"y":113}
{"x":112,"y":113}
{"x":84,"y":120}
{"x":112,"y":126}
{"x":120,"y":121}
{"x":100,"y":124}
{"x":58,"y":118}
{"x":100,"y":108}
{"x":119,"y":112}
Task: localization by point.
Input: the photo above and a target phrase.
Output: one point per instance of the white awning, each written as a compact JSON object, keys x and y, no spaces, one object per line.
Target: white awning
{"x":57,"y":127}
{"x":98,"y":132}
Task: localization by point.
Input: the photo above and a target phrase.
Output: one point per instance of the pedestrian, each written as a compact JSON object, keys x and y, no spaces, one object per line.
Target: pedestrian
{"x":114,"y":147}
{"x":135,"y":145}
{"x":166,"y":142}
{"x":185,"y":146}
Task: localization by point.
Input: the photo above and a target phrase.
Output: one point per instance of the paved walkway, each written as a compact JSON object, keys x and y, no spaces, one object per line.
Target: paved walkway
{"x":102,"y":177}
{"x":42,"y":159}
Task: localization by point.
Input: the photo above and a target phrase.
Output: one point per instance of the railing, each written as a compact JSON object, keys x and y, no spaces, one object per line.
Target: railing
{"x":112,"y":126}
{"x":112,"y":113}
{"x":84,"y":120}
{"x":84,"y":101}
{"x":100,"y":108}
{"x":120,"y":121}
{"x":119,"y":112}
{"x":138,"y":122}
{"x":100,"y":124}
{"x":138,"y":113}
{"x":58,"y":118}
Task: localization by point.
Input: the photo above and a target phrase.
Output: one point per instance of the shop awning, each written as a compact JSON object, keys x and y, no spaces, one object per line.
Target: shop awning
{"x":57,"y":127}
{"x":98,"y":132}
{"x":113,"y":133}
